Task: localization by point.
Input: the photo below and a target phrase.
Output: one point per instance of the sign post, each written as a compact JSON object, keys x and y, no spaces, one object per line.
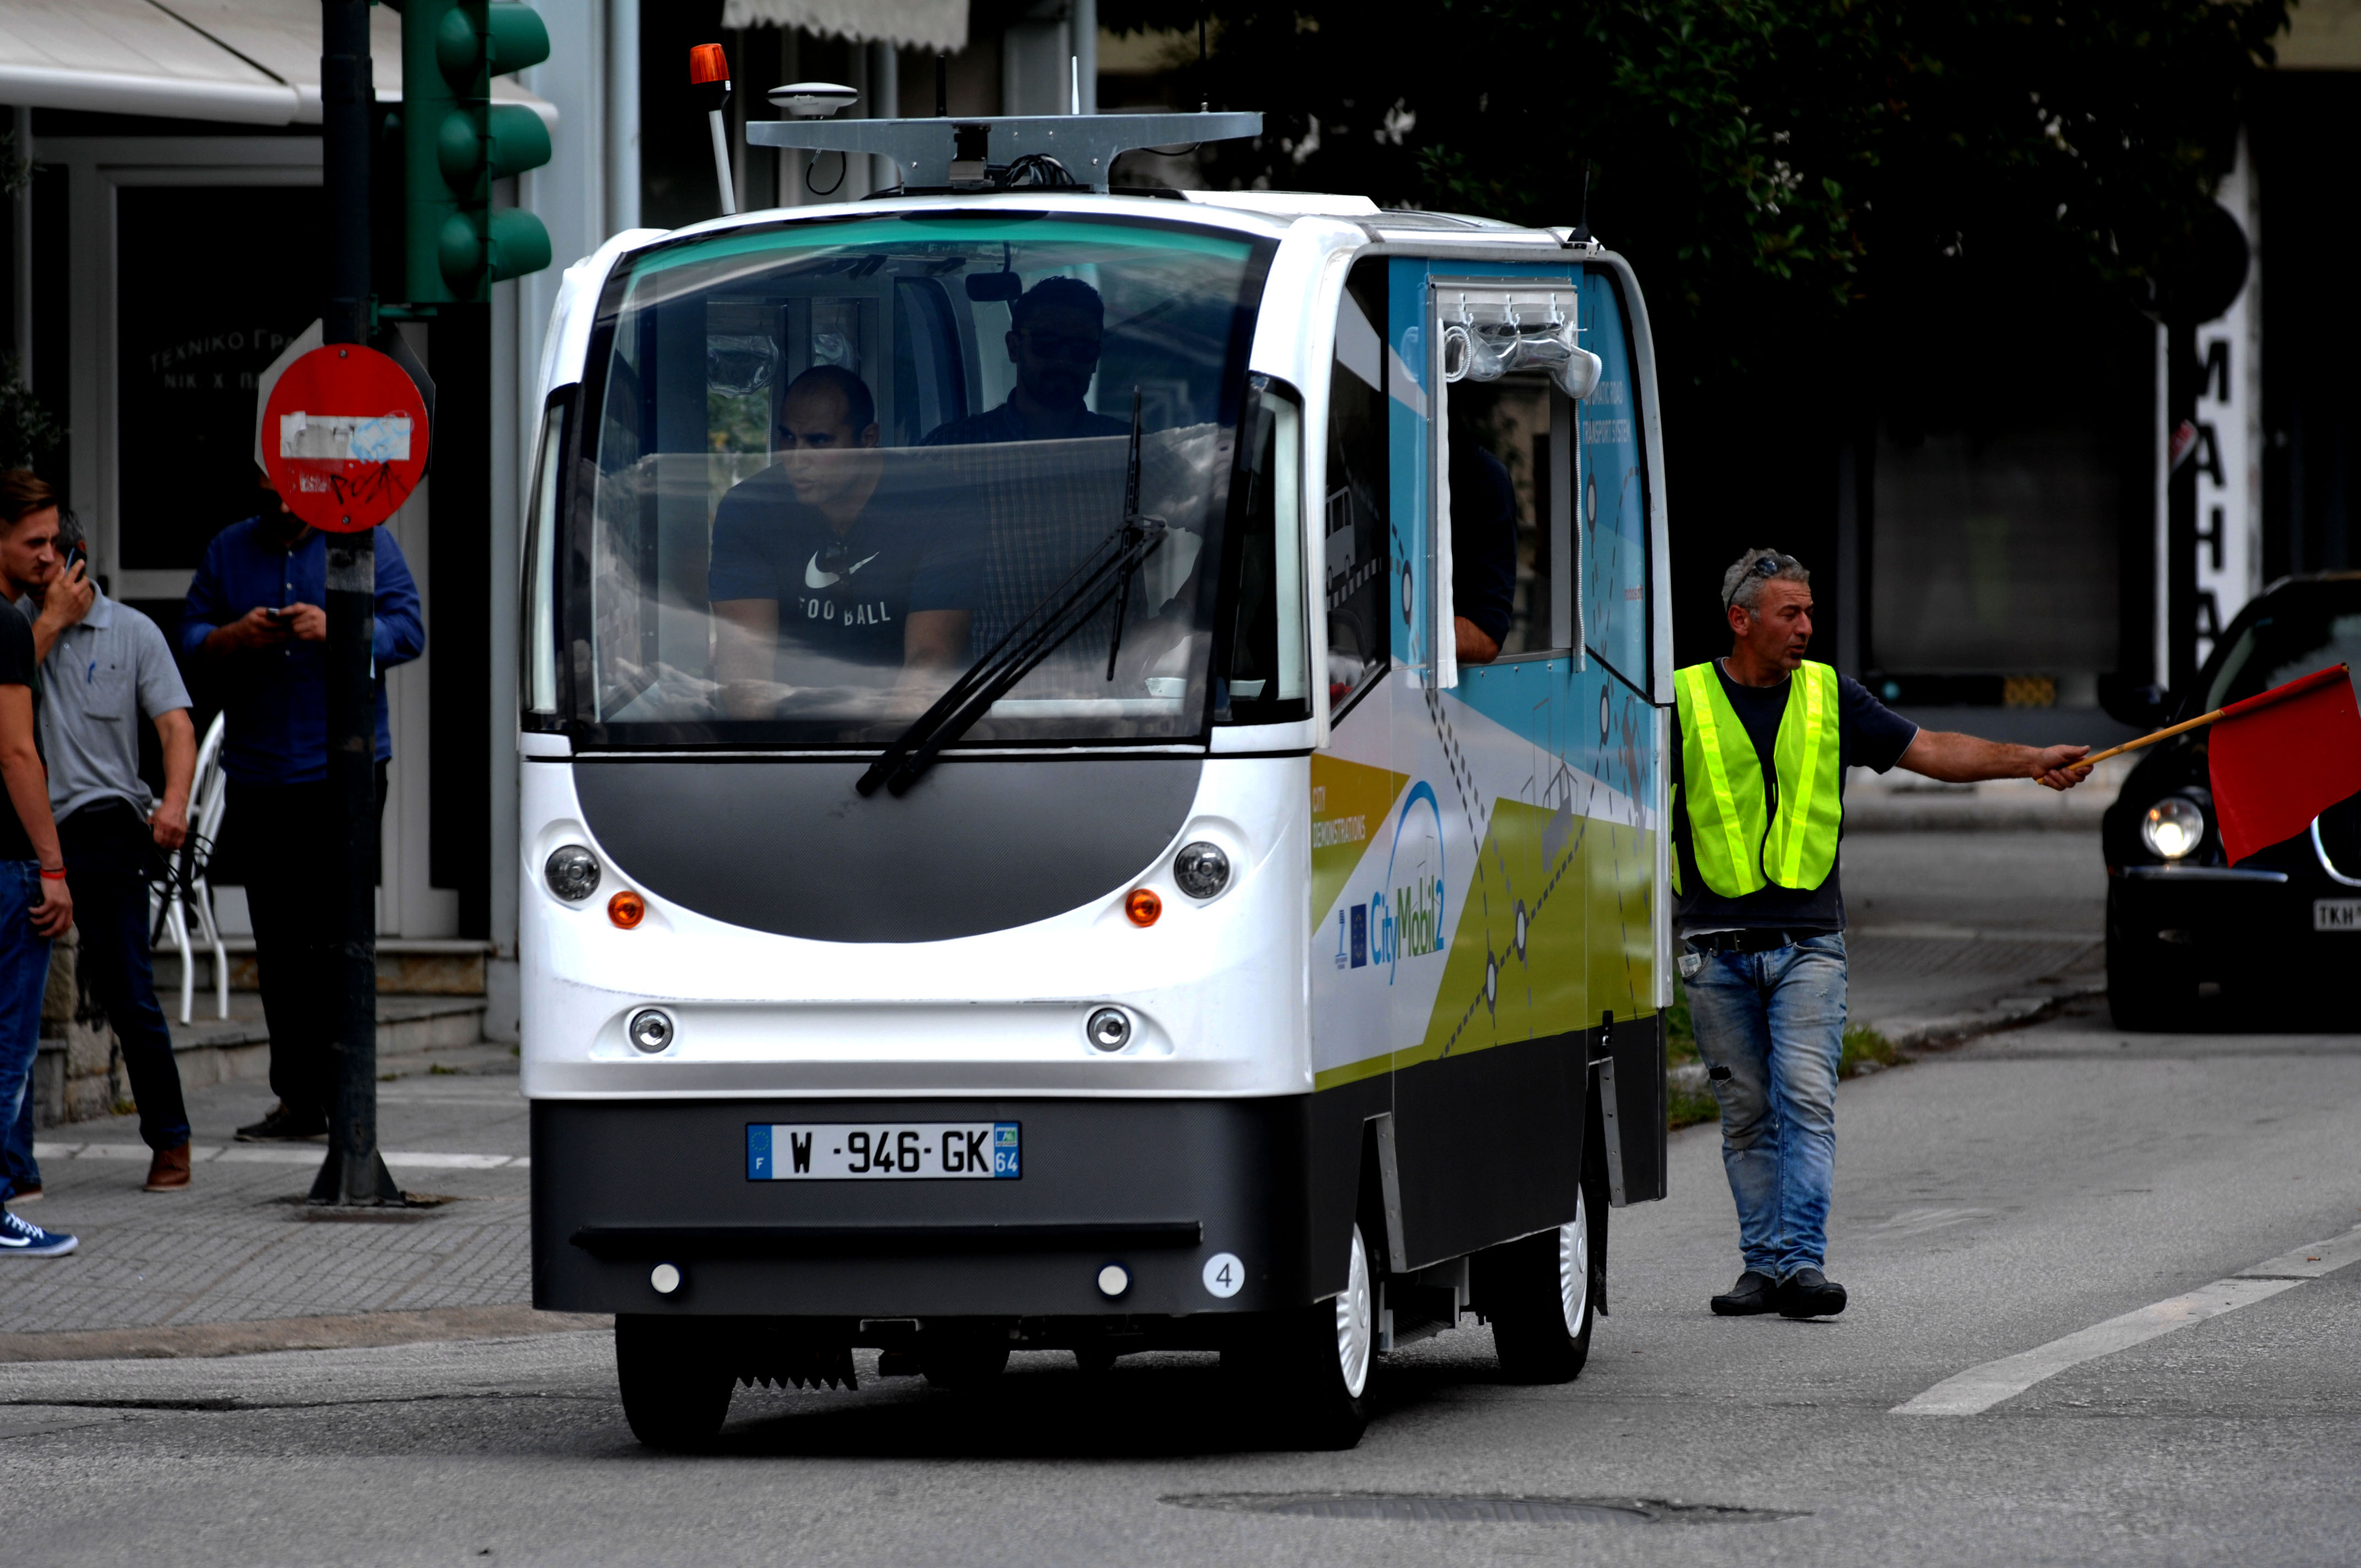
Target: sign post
{"x":343,"y":440}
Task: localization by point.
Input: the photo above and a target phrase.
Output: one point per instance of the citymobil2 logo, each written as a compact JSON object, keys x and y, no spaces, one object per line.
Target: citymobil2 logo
{"x":1406,"y":913}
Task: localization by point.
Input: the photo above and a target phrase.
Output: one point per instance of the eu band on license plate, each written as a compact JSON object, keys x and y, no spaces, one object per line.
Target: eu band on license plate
{"x":2336,"y":913}
{"x":885,"y":1151}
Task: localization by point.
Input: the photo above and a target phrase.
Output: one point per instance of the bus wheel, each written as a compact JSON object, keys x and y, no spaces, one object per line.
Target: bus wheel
{"x":1317,"y":1366}
{"x":955,"y":1359}
{"x":1542,"y":1301}
{"x":675,"y":1397}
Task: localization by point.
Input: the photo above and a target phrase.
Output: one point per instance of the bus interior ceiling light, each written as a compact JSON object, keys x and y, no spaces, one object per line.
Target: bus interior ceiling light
{"x":626,"y":909}
{"x":572,"y":872}
{"x":651,"y":1030}
{"x":2173,"y":828}
{"x":813,"y":100}
{"x":1109,"y":1028}
{"x":1142,"y":906}
{"x":992,"y":152}
{"x":1201,"y":869}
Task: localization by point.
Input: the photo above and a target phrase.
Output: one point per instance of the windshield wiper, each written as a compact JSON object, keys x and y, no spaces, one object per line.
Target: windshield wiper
{"x":1063,"y":612}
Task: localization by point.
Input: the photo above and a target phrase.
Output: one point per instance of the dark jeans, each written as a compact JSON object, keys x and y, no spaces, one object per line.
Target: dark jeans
{"x":289,"y":838}
{"x":107,"y":851}
{"x":23,"y":975}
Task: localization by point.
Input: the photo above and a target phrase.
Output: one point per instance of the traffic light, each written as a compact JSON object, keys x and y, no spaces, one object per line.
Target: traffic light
{"x":456,"y":142}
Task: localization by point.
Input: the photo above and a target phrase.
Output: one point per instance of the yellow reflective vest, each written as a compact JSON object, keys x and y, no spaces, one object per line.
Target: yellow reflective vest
{"x":1741,"y":844}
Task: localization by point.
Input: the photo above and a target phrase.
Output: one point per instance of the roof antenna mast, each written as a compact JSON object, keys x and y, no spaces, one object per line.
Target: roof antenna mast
{"x":942,"y":85}
{"x":1582,"y":213}
{"x":1204,"y":73}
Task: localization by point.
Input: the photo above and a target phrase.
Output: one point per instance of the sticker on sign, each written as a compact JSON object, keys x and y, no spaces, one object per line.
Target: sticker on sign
{"x":345,"y":438}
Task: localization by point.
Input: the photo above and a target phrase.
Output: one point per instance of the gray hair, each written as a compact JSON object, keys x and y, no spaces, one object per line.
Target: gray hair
{"x":70,"y":531}
{"x":1743,"y":583}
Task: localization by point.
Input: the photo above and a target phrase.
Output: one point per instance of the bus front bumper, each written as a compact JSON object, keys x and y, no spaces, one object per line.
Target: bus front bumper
{"x":1166,"y":1190}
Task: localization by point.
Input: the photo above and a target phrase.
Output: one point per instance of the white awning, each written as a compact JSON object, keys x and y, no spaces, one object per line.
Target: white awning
{"x":912,"y":24}
{"x":249,"y":61}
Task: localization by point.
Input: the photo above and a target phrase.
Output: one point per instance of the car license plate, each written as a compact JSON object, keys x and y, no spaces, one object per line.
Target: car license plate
{"x":885,"y":1151}
{"x":2336,"y":913}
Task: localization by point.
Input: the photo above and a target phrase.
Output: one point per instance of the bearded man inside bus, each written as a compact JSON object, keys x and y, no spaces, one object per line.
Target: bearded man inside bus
{"x":832,"y":568}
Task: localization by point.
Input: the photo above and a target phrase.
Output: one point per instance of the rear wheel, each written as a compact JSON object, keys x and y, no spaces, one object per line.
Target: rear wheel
{"x":1317,"y":1366}
{"x":675,"y":1396}
{"x":1542,"y":1298}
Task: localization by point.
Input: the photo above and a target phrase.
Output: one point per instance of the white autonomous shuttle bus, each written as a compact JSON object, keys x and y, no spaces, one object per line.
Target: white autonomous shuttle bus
{"x":1014,"y":854}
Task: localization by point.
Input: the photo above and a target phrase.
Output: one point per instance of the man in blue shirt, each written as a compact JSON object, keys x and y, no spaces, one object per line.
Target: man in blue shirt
{"x":254,"y":622}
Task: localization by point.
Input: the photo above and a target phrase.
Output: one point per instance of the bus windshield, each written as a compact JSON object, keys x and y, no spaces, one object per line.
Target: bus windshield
{"x":830,"y":464}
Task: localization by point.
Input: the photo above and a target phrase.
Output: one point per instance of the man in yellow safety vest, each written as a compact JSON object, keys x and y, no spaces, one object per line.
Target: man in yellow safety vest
{"x":1758,"y":805}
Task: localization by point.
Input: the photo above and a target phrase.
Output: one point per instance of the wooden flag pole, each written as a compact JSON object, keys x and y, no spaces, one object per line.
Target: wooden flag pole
{"x":2301,"y":683}
{"x":2183,"y":727}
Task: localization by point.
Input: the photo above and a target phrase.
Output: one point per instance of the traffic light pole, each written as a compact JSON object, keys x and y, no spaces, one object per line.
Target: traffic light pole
{"x":355,"y":1172}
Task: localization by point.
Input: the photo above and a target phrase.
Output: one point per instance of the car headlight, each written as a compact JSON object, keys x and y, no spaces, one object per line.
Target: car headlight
{"x":572,"y":872}
{"x":2173,"y":828}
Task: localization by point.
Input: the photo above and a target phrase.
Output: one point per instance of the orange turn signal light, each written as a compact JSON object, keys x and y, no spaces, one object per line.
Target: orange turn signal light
{"x":1143,"y":906}
{"x":626,"y":909}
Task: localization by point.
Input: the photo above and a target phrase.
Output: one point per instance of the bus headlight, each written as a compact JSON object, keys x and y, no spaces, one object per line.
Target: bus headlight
{"x":1109,"y":1028}
{"x":2173,"y":828}
{"x":650,"y":1030}
{"x":1201,"y":869}
{"x":572,"y":872}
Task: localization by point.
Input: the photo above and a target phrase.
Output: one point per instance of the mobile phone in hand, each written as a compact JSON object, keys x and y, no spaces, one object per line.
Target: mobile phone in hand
{"x":77,"y":557}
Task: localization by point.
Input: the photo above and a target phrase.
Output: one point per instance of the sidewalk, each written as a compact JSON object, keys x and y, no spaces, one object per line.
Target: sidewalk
{"x":240,"y":1244}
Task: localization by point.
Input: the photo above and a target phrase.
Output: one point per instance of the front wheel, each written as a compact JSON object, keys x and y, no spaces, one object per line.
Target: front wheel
{"x":1318,"y":1364}
{"x":675,"y":1396}
{"x":2147,"y":992}
{"x":1543,"y":1298}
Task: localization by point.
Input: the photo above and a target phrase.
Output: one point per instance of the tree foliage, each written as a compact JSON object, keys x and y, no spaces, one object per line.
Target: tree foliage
{"x":1770,"y":165}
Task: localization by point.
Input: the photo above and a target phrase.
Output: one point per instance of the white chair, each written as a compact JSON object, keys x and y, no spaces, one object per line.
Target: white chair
{"x":184,"y":890}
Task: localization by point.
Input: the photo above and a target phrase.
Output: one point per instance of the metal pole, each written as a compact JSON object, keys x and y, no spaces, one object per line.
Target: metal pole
{"x":354,"y":1171}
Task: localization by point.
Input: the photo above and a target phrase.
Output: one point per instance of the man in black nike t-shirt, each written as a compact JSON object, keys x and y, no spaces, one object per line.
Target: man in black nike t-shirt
{"x":828,"y":572}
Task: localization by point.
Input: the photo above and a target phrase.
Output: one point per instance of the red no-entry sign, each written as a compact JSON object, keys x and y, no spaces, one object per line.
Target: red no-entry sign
{"x":344,"y":437}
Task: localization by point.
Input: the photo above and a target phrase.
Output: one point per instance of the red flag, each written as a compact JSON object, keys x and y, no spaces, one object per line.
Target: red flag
{"x":2281,"y":759}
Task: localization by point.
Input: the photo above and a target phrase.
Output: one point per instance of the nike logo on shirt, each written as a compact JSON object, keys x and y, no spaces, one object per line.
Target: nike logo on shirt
{"x":816,"y":579}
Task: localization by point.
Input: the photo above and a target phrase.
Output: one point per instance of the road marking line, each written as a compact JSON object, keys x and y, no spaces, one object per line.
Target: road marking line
{"x":281,"y":1154}
{"x":1978,"y":1389}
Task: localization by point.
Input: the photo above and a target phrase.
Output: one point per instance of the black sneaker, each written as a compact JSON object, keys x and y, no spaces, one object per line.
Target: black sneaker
{"x":285,"y":1127}
{"x":1752,"y":1296}
{"x":1808,"y":1293}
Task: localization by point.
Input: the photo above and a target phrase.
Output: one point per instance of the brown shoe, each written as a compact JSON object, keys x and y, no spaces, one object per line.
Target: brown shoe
{"x":169,"y":1171}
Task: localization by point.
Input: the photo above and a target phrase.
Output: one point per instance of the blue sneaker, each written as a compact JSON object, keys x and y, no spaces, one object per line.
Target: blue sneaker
{"x":20,"y":1239}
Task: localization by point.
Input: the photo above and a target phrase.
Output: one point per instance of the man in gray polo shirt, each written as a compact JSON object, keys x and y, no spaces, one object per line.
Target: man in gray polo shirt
{"x":103,"y":665}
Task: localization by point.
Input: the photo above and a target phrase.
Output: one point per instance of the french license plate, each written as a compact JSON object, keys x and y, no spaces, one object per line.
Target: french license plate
{"x":885,"y":1151}
{"x":2336,"y":913}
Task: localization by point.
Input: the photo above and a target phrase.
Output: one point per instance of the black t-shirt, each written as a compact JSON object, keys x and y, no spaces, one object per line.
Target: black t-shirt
{"x":1483,"y":540}
{"x":17,"y":668}
{"x":1872,"y":736}
{"x":842,"y":601}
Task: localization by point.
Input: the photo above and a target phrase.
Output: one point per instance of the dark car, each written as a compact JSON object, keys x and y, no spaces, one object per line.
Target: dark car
{"x":2182,"y":922}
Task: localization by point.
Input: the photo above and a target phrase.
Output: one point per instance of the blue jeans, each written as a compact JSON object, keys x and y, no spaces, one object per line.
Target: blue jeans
{"x":1770,"y":1027}
{"x":23,"y":975}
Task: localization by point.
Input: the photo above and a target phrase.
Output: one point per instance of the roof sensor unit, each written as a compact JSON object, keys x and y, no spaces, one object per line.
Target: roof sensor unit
{"x":813,"y":100}
{"x":999,"y":152}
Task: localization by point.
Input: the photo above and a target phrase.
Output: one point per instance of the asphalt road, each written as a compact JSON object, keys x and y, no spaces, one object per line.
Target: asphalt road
{"x":1990,"y":1201}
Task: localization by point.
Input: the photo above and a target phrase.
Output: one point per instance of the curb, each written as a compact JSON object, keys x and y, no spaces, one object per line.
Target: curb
{"x":1956,"y":1028}
{"x":262,"y":1335}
